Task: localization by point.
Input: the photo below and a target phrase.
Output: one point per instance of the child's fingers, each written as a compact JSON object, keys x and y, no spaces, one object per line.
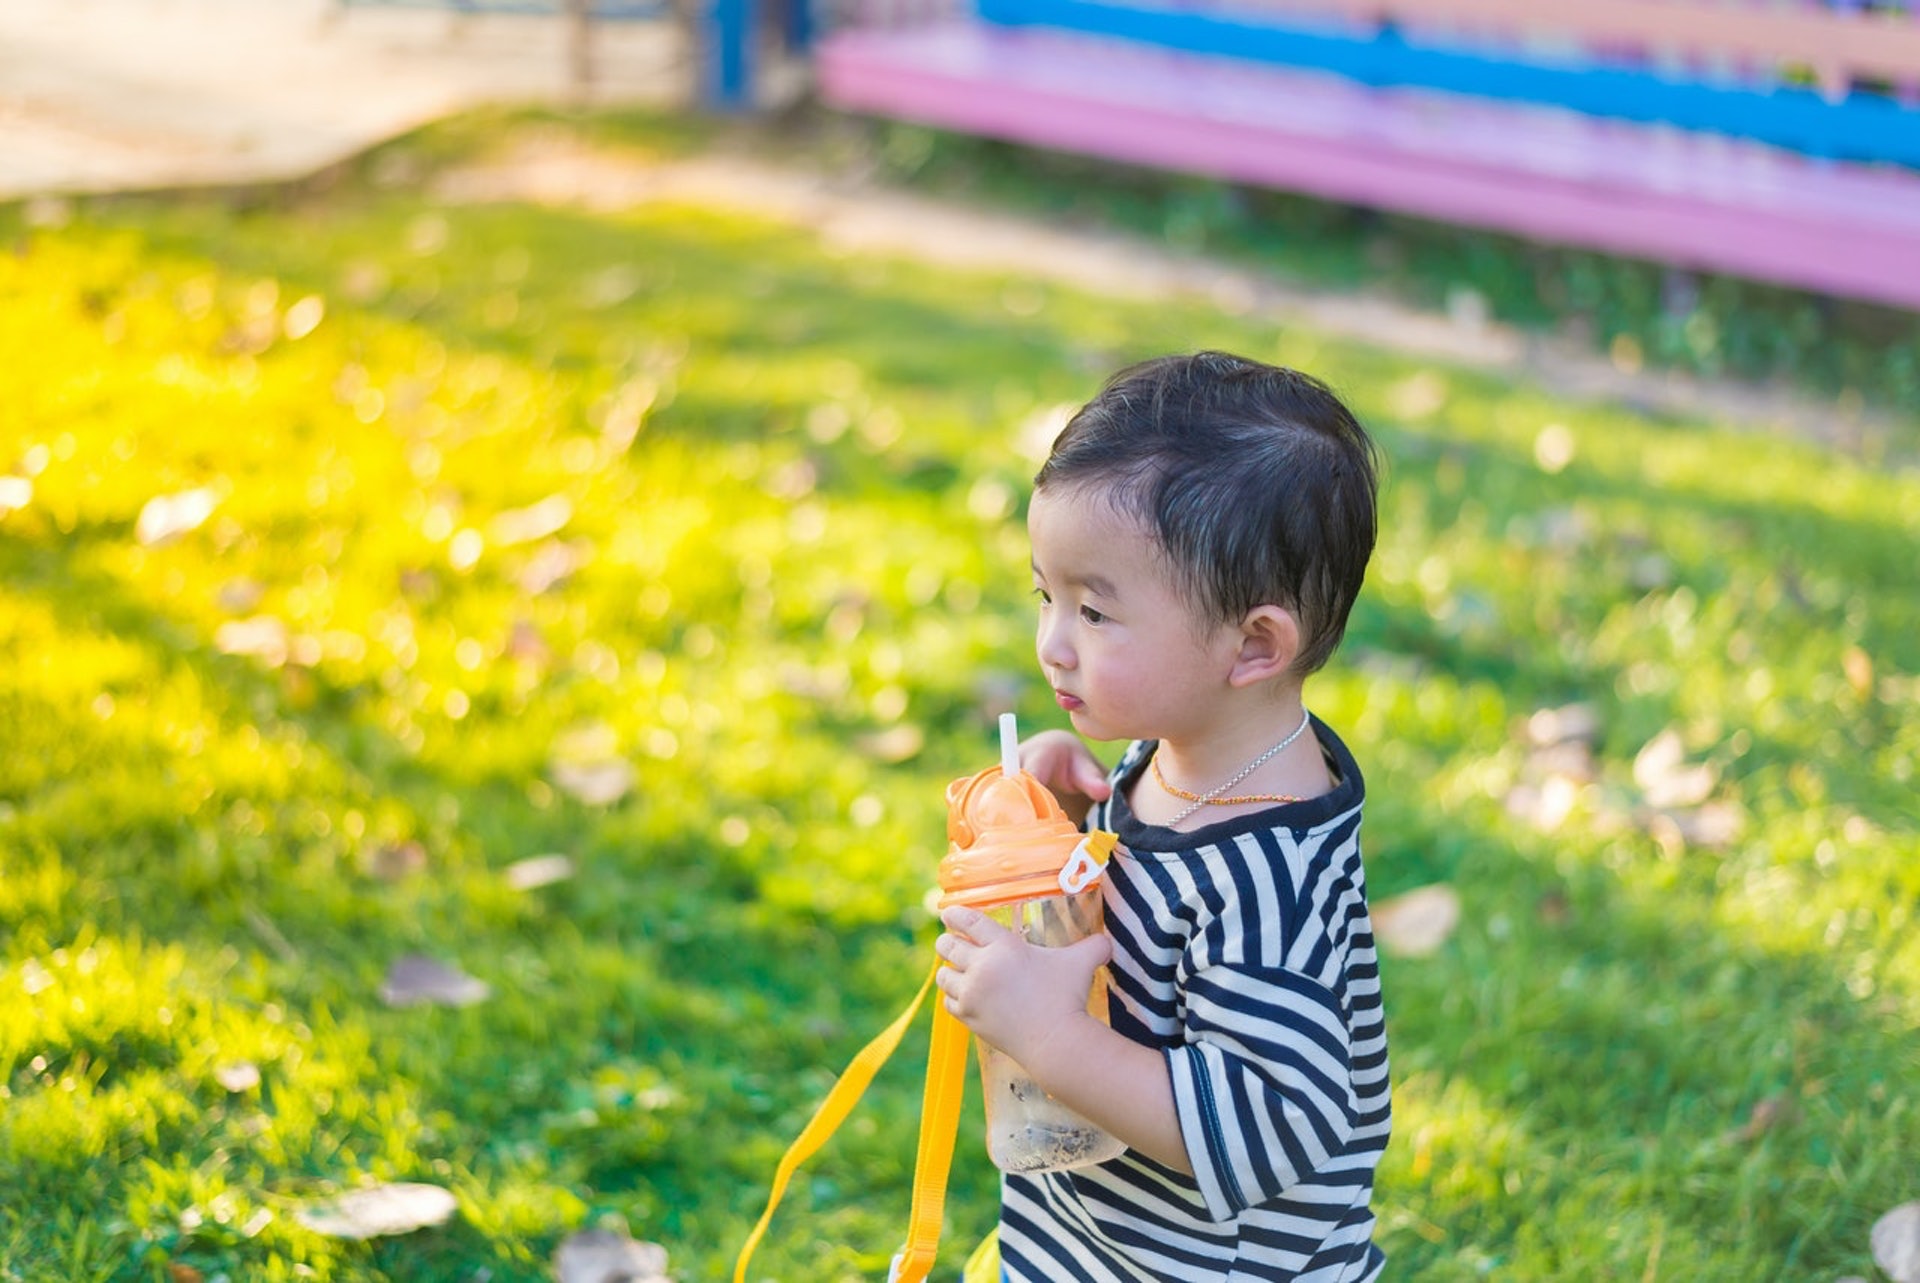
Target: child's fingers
{"x":974,"y":925}
{"x":1091,"y":779}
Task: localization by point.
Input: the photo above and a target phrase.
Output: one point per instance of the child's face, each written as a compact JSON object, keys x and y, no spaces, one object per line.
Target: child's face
{"x":1121,"y":646}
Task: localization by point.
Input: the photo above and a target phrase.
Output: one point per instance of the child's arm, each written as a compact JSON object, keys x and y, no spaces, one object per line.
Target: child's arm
{"x":1031,"y":1002}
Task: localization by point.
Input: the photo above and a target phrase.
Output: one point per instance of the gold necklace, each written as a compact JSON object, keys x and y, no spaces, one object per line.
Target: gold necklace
{"x":1185,"y":796}
{"x":1212,"y":797}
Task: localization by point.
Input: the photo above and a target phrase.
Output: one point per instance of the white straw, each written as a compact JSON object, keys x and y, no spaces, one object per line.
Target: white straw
{"x":1009,"y":746}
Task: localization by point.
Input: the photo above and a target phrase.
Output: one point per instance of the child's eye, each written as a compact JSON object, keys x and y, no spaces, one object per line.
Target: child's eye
{"x":1092,"y":616}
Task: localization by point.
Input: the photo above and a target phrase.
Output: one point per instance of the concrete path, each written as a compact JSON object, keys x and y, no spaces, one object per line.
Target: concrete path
{"x":115,"y":95}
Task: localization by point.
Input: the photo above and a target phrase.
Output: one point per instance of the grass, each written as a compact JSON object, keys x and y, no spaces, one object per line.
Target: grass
{"x":249,"y":767}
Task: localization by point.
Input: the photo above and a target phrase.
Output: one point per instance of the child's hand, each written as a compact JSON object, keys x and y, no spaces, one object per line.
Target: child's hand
{"x":1009,"y":992}
{"x":1069,"y":770}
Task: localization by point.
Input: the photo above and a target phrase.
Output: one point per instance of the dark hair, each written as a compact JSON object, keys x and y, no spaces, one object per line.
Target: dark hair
{"x":1257,"y":482}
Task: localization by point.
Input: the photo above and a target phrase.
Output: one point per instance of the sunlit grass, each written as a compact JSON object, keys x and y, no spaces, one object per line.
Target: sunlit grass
{"x":497,"y":489}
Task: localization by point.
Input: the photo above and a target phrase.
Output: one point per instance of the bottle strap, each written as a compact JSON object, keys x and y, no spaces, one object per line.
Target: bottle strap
{"x":939,"y":1123}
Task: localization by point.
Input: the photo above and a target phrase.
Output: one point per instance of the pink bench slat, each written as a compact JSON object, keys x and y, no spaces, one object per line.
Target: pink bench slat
{"x":1706,"y":203}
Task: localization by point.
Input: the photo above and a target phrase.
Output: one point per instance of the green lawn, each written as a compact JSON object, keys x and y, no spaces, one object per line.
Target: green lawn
{"x":731,"y":524}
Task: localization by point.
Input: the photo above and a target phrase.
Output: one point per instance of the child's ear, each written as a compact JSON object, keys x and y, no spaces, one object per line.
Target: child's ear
{"x":1269,"y":643}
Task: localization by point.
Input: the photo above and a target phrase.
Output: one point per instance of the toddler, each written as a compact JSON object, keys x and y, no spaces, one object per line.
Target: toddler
{"x":1200,"y":531}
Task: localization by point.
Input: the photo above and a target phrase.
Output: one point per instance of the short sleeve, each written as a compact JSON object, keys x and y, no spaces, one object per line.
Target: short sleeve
{"x":1262,"y":1081}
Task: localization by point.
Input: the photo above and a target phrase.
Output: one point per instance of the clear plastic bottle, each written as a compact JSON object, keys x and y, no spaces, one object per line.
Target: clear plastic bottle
{"x":1014,"y":854}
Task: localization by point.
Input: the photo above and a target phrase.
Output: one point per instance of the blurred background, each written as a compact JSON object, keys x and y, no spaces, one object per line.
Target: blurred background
{"x":512,"y":513}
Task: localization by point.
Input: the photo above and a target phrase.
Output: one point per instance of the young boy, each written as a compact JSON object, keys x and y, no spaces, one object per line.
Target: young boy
{"x":1200,"y":531}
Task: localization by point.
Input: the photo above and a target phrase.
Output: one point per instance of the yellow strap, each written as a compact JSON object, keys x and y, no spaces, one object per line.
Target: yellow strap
{"x":939,"y":1123}
{"x":834,"y":1110}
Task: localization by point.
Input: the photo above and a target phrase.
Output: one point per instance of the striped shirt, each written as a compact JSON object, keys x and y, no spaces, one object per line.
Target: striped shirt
{"x":1243,"y":951}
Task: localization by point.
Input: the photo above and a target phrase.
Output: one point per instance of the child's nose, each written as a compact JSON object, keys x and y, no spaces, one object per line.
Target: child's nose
{"x":1050,"y":642}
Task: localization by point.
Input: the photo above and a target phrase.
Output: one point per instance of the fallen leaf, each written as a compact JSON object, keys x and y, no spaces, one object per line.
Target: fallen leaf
{"x":261,"y":637}
{"x":1417,"y":923}
{"x":1576,"y":722}
{"x":1418,"y":396}
{"x":166,"y":517}
{"x":537,"y":521}
{"x":1858,"y":666}
{"x":181,"y":1272}
{"x":15,"y":493}
{"x":552,"y":563}
{"x":1714,"y":825}
{"x":595,"y":783}
{"x":525,"y":644}
{"x":414,"y":980}
{"x":238,"y":1076}
{"x":604,"y":1256}
{"x":380,"y":1210}
{"x":393,"y":861}
{"x":1766,"y":1115}
{"x":1661,"y":771}
{"x":304,"y":317}
{"x":538,"y":871}
{"x":1546,"y":805}
{"x":894,"y":745}
{"x":238,"y":595}
{"x":1896,"y":1243}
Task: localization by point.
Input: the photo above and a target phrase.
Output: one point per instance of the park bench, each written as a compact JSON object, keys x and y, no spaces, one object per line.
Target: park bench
{"x":1779,"y":142}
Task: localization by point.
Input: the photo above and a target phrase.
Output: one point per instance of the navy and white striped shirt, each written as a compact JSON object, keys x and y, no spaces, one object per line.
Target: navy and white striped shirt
{"x":1243,"y":951}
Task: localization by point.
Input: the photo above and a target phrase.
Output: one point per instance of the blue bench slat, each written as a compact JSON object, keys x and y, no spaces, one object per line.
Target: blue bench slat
{"x":1859,"y":127}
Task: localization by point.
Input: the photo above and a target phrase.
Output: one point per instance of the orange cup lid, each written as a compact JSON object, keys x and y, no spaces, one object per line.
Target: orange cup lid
{"x":1007,"y":839}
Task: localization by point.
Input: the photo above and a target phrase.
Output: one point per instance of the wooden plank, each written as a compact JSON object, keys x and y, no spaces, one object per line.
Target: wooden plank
{"x":1619,"y":188}
{"x":1837,"y":44}
{"x":1863,"y":127}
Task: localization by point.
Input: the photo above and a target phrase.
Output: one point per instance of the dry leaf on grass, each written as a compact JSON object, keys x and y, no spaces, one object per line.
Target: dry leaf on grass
{"x":1767,"y":1114}
{"x":15,"y":493}
{"x":1896,"y":1243}
{"x":894,"y":745}
{"x":586,"y":765}
{"x":1665,"y":778}
{"x":237,"y":1076}
{"x":1578,"y":723}
{"x":603,"y":1256}
{"x":394,"y":861}
{"x":538,"y":871}
{"x":1714,"y":826}
{"x":595,"y":783}
{"x":166,"y":517}
{"x":380,"y":1210}
{"x":1416,"y":924}
{"x":261,"y":637}
{"x":414,"y":980}
{"x":530,"y":524}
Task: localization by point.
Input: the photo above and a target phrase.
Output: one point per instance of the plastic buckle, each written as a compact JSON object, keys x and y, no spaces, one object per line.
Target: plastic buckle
{"x":1081,"y":870}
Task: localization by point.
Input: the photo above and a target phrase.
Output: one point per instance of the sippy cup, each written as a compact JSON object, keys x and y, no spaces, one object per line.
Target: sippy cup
{"x":1014,"y":854}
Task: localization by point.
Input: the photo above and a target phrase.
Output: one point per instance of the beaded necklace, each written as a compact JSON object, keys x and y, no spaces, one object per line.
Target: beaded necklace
{"x":1212,"y":797}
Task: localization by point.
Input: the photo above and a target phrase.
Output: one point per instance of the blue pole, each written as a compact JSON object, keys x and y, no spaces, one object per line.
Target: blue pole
{"x":729,"y":54}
